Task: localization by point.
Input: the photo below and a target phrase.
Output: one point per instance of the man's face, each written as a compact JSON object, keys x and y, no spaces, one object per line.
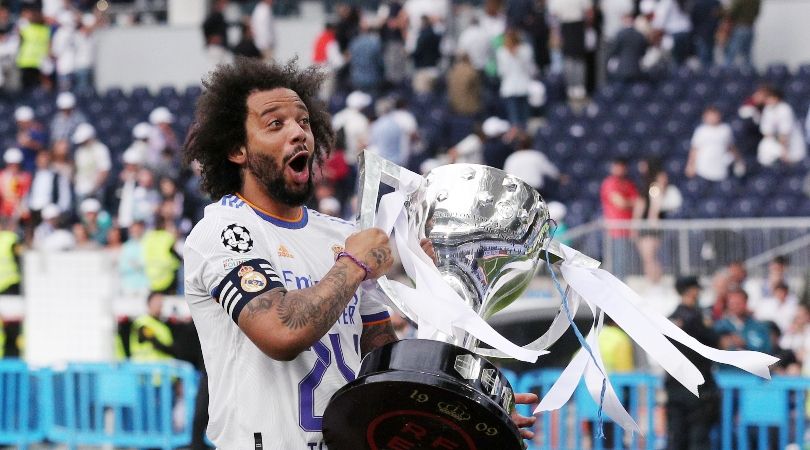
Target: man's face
{"x":280,"y":145}
{"x":737,"y":304}
{"x":618,"y":169}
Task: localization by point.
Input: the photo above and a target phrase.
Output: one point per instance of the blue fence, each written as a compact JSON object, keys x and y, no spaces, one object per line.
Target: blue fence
{"x":124,"y":405}
{"x":152,"y":406}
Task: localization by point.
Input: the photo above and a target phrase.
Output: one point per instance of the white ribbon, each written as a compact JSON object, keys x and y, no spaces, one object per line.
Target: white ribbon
{"x":436,"y":305}
{"x":647,"y":327}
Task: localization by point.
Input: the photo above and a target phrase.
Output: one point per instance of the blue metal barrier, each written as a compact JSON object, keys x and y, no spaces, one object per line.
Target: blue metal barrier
{"x":565,"y":429}
{"x":20,"y":421}
{"x":125,"y":405}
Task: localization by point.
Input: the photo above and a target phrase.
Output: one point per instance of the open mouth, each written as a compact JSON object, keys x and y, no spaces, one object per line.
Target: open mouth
{"x":298,"y":163}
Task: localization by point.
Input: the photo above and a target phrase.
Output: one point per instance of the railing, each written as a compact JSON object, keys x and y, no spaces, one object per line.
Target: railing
{"x":123,"y":405}
{"x":697,"y":246}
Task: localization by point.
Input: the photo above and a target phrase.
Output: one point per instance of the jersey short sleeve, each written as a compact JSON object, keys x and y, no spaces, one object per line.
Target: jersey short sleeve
{"x":372,"y":307}
{"x":224,"y":264}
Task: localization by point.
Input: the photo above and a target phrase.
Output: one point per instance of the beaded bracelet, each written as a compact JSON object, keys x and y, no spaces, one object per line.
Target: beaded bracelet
{"x":361,"y":264}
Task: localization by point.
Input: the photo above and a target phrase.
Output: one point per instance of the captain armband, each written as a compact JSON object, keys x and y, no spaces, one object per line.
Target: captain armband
{"x":245,"y":282}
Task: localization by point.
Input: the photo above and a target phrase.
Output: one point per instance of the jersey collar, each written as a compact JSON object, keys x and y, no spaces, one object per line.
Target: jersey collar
{"x":296,"y":224}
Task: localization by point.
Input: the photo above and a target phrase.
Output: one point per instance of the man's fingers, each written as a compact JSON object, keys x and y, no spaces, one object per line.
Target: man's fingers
{"x":526,"y":398}
{"x":523,"y":421}
{"x":427,"y":247}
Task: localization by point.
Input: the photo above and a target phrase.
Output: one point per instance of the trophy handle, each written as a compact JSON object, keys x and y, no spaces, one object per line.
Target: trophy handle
{"x":552,"y":253}
{"x":374,"y":170}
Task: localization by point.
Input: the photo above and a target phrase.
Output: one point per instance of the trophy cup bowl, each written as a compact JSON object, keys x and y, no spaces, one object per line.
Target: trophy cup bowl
{"x":489,"y":230}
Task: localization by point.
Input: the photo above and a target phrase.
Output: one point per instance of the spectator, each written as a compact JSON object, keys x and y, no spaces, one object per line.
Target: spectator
{"x":498,"y":141}
{"x":742,"y":14}
{"x":9,"y":258}
{"x":705,"y":16}
{"x":63,"y":49}
{"x":172,"y":202}
{"x":139,"y":148}
{"x":14,"y":186}
{"x":160,"y":258}
{"x":435,"y":10}
{"x":618,"y":196}
{"x":573,"y":15}
{"x":395,"y":57}
{"x":658,"y":198}
{"x":60,"y":159}
{"x":797,"y":336}
{"x":92,"y":159}
{"x":348,"y":25}
{"x":788,"y":364}
{"x":464,"y":87}
{"x":8,"y":50}
{"x":533,"y":167}
{"x":627,"y":49}
{"x":782,"y":138}
{"x":35,"y":42}
{"x":50,"y":235}
{"x":469,"y":150}
{"x":48,"y":187}
{"x":353,"y":125}
{"x":85,"y":52}
{"x":426,"y":54}
{"x":557,"y":212}
{"x":66,"y":119}
{"x":247,"y":45}
{"x":713,"y":149}
{"x":751,"y":113}
{"x":263,"y":26}
{"x":740,"y":331}
{"x":515,"y":68}
{"x":691,"y":418}
{"x":131,"y":264}
{"x":162,"y":138}
{"x":725,"y":281}
{"x":31,"y":136}
{"x":82,"y":239}
{"x":616,"y":349}
{"x":365,"y":60}
{"x":386,"y":135}
{"x":327,"y":55}
{"x":614,"y":18}
{"x":779,"y":308}
{"x":128,"y":209}
{"x":214,"y":27}
{"x":475,"y":42}
{"x":95,"y":221}
{"x":407,"y":125}
{"x":673,"y":29}
{"x":150,"y":339}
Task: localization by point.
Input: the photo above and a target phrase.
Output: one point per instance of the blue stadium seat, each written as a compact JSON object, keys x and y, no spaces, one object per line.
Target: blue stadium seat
{"x":777,"y":73}
{"x":674,"y":167}
{"x":762,"y":185}
{"x":139,"y":93}
{"x":640,"y":91}
{"x":728,"y":188}
{"x":803,"y":72}
{"x":609,"y":129}
{"x":675,"y":128}
{"x":658,"y":148}
{"x":114,"y":94}
{"x":712,"y":208}
{"x":745,"y":207}
{"x":625,"y":148}
{"x":695,"y":187}
{"x":581,"y":169}
{"x":167,"y":92}
{"x":593,"y":150}
{"x":782,"y":206}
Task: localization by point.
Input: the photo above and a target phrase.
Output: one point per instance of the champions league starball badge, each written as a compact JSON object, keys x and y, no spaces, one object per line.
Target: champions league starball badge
{"x":490,"y":231}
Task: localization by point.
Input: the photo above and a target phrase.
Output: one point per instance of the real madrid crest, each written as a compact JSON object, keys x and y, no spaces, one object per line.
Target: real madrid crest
{"x":253,"y":281}
{"x":337,"y":248}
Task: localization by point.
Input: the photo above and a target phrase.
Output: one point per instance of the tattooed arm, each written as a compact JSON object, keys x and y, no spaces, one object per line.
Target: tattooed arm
{"x":376,"y":335}
{"x":283,"y":324}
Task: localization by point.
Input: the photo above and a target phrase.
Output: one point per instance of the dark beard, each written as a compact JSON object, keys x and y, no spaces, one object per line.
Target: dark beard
{"x":271,"y":176}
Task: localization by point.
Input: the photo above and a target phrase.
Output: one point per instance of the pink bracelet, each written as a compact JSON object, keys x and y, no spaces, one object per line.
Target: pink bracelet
{"x":361,"y":264}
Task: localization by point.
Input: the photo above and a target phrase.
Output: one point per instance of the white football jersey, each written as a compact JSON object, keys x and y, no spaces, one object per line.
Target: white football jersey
{"x":233,"y":254}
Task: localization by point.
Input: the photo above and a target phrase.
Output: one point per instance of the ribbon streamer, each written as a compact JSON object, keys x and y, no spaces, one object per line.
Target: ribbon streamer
{"x":648,"y":328}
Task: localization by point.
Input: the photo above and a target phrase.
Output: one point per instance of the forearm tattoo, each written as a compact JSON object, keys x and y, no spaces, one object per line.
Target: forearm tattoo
{"x":376,"y":335}
{"x":318,"y":307}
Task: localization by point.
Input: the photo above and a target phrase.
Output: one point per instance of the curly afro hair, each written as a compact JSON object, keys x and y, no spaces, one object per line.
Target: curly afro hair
{"x":219,"y":123}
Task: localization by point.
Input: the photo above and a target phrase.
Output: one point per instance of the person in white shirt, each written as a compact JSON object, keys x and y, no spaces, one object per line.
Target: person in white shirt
{"x":63,"y":49}
{"x":85,"y":52}
{"x":573,"y":16}
{"x":264,"y":28}
{"x":782,"y":138}
{"x":354,"y":125}
{"x":92,"y":160}
{"x":673,"y":27}
{"x":50,"y":235}
{"x":476,"y":43}
{"x":273,"y":287}
{"x":712,"y":148}
{"x":516,"y":69}
{"x":780,"y":308}
{"x":47,"y":187}
{"x":532,"y":166}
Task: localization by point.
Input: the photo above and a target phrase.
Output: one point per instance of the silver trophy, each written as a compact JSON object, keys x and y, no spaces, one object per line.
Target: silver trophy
{"x":490,"y":231}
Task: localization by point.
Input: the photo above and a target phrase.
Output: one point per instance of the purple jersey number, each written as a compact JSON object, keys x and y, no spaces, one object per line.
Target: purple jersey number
{"x":306,"y":388}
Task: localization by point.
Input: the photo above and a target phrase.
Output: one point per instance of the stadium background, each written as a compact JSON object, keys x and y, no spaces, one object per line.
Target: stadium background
{"x":73,"y":299}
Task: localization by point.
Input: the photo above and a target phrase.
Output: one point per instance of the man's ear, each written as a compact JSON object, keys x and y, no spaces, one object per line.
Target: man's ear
{"x":238,"y":156}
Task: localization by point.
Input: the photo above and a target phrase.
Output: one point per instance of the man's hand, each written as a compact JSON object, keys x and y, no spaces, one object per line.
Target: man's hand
{"x":427,"y":247}
{"x":371,"y":246}
{"x":525,"y":422}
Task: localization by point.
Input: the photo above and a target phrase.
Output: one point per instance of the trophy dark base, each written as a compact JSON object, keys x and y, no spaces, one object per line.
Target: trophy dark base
{"x":422,"y":394}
